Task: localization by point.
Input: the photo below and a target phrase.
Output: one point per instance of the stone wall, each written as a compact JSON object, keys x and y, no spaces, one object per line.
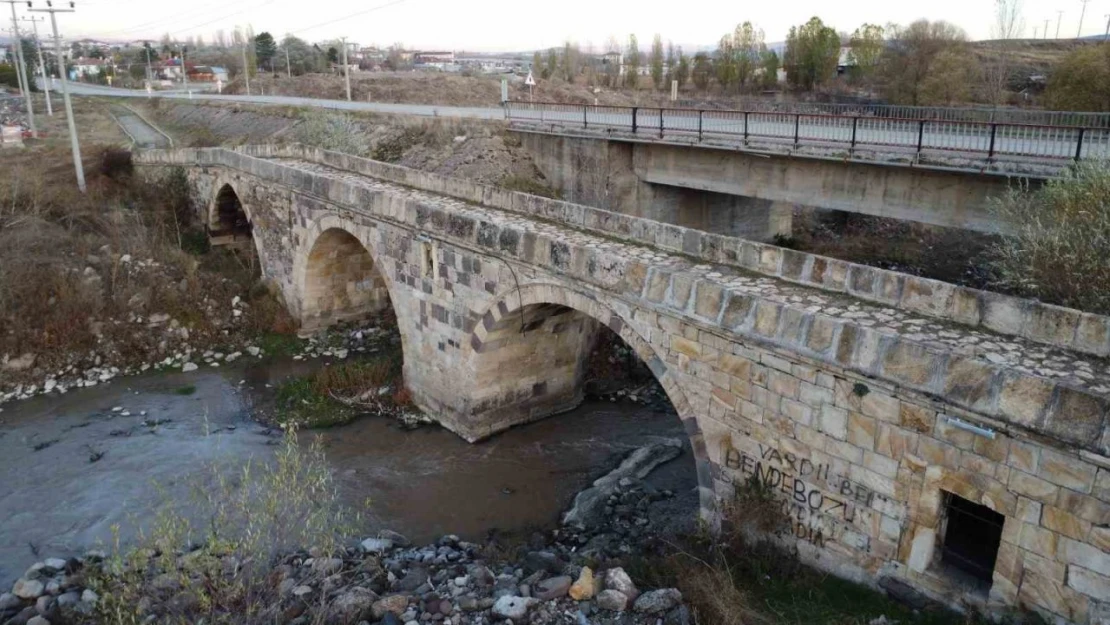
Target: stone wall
{"x":868,"y":400}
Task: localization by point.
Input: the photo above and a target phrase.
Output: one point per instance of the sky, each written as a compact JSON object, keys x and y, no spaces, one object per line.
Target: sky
{"x":515,"y":25}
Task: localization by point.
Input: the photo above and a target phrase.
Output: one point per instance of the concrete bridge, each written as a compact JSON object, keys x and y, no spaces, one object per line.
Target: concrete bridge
{"x":918,"y":433}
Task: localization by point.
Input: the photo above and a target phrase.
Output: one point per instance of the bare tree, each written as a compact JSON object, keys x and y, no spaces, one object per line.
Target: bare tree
{"x":1008,"y":25}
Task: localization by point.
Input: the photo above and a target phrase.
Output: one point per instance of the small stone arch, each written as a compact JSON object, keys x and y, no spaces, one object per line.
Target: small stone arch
{"x":338,"y":278}
{"x":536,"y":305}
{"x":228,"y":219}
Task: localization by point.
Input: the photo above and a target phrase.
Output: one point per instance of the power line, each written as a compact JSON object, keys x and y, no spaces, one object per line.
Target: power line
{"x":349,"y":16}
{"x":170,"y":19}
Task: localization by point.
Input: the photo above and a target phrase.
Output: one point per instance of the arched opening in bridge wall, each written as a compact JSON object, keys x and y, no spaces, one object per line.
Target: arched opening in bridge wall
{"x":228,"y":220}
{"x":341,"y":282}
{"x":546,"y":350}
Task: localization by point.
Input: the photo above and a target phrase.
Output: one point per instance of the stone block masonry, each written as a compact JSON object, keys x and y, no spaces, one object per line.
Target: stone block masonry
{"x":870,"y":401}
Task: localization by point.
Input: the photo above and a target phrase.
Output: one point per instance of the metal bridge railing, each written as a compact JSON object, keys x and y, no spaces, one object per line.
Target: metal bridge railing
{"x":920,"y":136}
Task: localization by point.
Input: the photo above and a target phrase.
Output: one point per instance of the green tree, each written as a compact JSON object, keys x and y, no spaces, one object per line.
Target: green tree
{"x":725,"y":65}
{"x":950,"y":78}
{"x":866,"y":49}
{"x":671,"y":69}
{"x":265,"y":49}
{"x":701,"y":71}
{"x":1081,"y":82}
{"x":303,"y":58}
{"x":812,"y":52}
{"x":770,"y":65}
{"x":657,"y":61}
{"x":333,"y":55}
{"x":552,"y":64}
{"x":570,"y":61}
{"x":910,"y":53}
{"x":632,"y":63}
{"x":682,"y":74}
{"x":748,"y":48}
{"x":537,"y":64}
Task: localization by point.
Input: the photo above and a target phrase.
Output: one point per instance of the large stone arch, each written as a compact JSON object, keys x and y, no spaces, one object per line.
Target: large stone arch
{"x":506,"y":312}
{"x":337,"y":276}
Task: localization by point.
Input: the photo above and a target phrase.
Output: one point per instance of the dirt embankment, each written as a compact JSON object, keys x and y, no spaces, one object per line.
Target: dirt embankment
{"x":471,"y":149}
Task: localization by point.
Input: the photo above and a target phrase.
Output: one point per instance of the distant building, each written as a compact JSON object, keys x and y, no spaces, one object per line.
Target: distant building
{"x":88,"y":67}
{"x":207,"y":73}
{"x":436,"y":59}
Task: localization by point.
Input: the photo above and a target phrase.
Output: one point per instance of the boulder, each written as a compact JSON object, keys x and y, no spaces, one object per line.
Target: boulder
{"x":583,"y":588}
{"x":613,"y":600}
{"x":394,"y":604}
{"x":377,"y":545}
{"x":552,"y":588}
{"x":656,"y":601}
{"x":511,"y":607}
{"x":352,"y":606}
{"x":28,"y":588}
{"x":617,"y":579}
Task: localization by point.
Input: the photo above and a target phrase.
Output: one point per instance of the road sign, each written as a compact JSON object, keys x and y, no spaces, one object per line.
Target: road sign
{"x":530,"y":81}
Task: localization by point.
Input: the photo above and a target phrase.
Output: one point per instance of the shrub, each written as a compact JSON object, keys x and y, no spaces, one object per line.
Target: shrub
{"x":1059,"y":248}
{"x":331,"y":131}
{"x":217,"y":551}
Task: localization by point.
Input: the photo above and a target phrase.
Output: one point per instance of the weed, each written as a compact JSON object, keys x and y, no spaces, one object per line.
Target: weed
{"x":336,"y":394}
{"x":530,"y":186}
{"x":332,"y":131}
{"x":279,"y":344}
{"x":185,"y":390}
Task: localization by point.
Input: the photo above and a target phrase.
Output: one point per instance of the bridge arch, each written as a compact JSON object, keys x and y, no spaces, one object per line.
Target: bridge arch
{"x":542,"y":333}
{"x":228,"y":217}
{"x":337,"y":276}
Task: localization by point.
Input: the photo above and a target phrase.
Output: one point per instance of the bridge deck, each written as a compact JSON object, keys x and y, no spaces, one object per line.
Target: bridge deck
{"x":1019,"y":354}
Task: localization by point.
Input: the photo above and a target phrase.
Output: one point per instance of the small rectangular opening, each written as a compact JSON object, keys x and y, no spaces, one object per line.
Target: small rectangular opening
{"x":971,"y":535}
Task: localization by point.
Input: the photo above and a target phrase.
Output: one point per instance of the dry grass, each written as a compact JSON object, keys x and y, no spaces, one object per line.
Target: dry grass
{"x":1060,"y":252}
{"x":75,"y":268}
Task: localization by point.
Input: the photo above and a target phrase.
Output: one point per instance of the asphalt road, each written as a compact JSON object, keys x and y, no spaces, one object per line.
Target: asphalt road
{"x":1017,"y":142}
{"x":341,"y":105}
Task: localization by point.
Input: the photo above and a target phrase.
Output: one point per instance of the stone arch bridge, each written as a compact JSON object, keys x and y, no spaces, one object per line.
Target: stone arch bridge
{"x":880,"y":407}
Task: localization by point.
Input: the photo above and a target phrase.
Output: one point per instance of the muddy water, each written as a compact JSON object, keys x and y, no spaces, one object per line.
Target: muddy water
{"x":71,"y":467}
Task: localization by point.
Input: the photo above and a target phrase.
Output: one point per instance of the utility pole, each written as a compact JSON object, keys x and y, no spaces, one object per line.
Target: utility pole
{"x":73,"y":142}
{"x":1106,"y":37}
{"x":149,"y":71}
{"x":288,"y":68}
{"x":1045,"y":29}
{"x":42,"y":62}
{"x":1059,"y":16}
{"x":246,"y":69}
{"x":346,"y":69}
{"x":184,"y":68}
{"x":23,"y":78}
{"x":1082,"y":13}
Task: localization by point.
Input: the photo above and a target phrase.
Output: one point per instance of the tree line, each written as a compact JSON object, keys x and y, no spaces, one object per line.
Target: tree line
{"x":921,"y":63}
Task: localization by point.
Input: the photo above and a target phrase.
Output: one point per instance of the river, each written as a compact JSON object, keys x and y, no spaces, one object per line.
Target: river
{"x":72,"y":466}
